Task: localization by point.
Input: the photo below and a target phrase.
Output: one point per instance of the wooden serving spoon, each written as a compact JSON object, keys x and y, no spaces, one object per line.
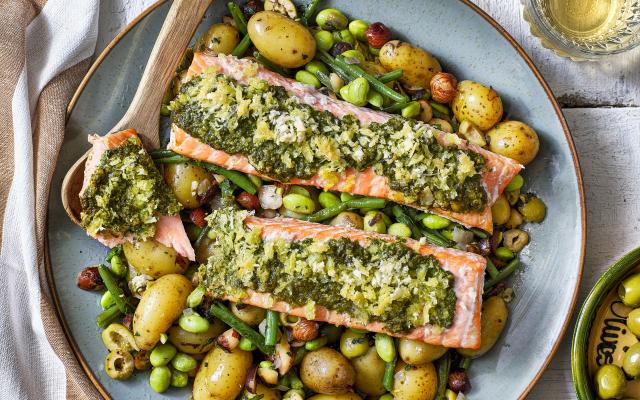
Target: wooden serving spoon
{"x":143,"y":113}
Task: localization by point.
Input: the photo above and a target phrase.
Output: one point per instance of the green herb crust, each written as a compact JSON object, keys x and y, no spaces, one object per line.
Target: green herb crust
{"x":126,"y":194}
{"x":284,"y":138}
{"x":381,"y":281}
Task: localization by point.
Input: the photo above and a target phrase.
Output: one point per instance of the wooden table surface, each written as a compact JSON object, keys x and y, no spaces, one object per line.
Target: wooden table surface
{"x":601,"y":101}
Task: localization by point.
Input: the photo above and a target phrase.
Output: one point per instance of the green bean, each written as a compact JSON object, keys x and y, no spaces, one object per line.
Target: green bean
{"x":326,"y":213}
{"x":193,"y":323}
{"x":300,"y":353}
{"x":442,"y":109}
{"x":242,"y":47}
{"x":309,"y":12}
{"x":401,"y":217}
{"x":238,"y":17}
{"x":162,"y":354}
{"x":294,"y":381}
{"x":504,"y":274}
{"x":465,"y":363}
{"x":158,"y":153}
{"x":236,"y":177}
{"x":389,"y":371}
{"x":395,"y":107}
{"x":271,"y":331}
{"x":366,"y":202}
{"x":270,"y":65}
{"x":171,"y":160}
{"x":444,"y":367}
{"x":221,"y":312}
{"x":390,"y":76}
{"x":315,"y":344}
{"x":122,"y":301}
{"x":480,"y":233}
{"x":436,"y":238}
{"x":385,"y":347}
{"x":324,"y":79}
{"x":201,"y":236}
{"x":491,"y":268}
{"x":108,"y":316}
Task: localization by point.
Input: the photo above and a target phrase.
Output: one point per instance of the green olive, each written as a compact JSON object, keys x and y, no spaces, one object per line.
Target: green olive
{"x":374,"y":222}
{"x":119,"y":365}
{"x":250,"y":315}
{"x":188,"y":182}
{"x":348,"y":219}
{"x":633,"y":322}
{"x":532,"y":208}
{"x":353,"y":344}
{"x":415,"y":352}
{"x":500,"y":210}
{"x":610,"y":382}
{"x":629,"y":291}
{"x":631,"y":361}
{"x":219,"y":38}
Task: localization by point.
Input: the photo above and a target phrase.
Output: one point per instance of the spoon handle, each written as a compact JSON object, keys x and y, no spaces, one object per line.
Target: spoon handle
{"x":144,"y":111}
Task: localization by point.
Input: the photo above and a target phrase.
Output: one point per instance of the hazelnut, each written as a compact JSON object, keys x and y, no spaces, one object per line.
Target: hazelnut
{"x":377,"y":35}
{"x":459,"y":381}
{"x":248,"y":201}
{"x":89,"y":279}
{"x":443,"y":87}
{"x":304,"y":330}
{"x":197,"y":217}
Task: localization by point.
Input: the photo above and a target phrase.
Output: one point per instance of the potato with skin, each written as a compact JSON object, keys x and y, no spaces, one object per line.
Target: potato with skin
{"x":415,"y":382}
{"x":154,"y":259}
{"x":369,"y":369}
{"x":250,"y":315}
{"x":281,"y":39}
{"x":187,"y":181}
{"x":267,"y":393}
{"x":161,"y":304}
{"x":326,"y":371}
{"x":415,"y":352}
{"x":222,"y":374}
{"x":492,"y":323}
{"x":478,"y":104}
{"x":418,"y":65}
{"x":514,"y":139}
{"x":344,"y":396}
{"x":219,"y":38}
{"x":196,"y":343}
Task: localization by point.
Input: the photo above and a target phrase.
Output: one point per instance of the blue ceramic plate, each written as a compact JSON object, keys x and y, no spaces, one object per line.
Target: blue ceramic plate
{"x":469,"y":44}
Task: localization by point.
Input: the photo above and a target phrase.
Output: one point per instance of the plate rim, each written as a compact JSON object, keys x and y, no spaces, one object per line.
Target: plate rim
{"x":495,"y":25}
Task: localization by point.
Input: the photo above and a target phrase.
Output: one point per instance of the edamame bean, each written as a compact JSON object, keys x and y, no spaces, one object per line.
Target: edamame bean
{"x":344,"y":36}
{"x":353,"y":54}
{"x":375,"y":99}
{"x":298,"y":203}
{"x":331,"y":19}
{"x":316,"y":66}
{"x":246,"y":344}
{"x":387,"y":396}
{"x":179,"y":379}
{"x":399,"y":229}
{"x":356,"y":92}
{"x":433,"y":221}
{"x":294,"y":394}
{"x":299,"y":190}
{"x":327,"y":199}
{"x":353,"y":344}
{"x":107,"y":300}
{"x":374,"y":222}
{"x":184,"y":362}
{"x":117,"y":266}
{"x":160,"y":379}
{"x":324,"y":40}
{"x":411,"y":110}
{"x":385,"y":347}
{"x":358,"y":27}
{"x":344,"y":196}
{"x":257,"y":182}
{"x":162,"y":354}
{"x":308,"y":78}
{"x":195,"y":297}
{"x":504,"y":253}
{"x":315,"y":344}
{"x":515,"y":184}
{"x":193,"y":323}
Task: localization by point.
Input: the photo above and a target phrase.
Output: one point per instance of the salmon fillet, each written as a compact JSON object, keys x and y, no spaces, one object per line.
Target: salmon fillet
{"x":497,"y":173}
{"x":467,"y":269}
{"x":169,"y":229}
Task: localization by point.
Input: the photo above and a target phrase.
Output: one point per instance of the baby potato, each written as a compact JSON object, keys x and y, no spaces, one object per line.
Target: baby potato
{"x":222,"y":374}
{"x":187,"y":181}
{"x":219,"y":38}
{"x":161,"y":304}
{"x":196,"y":343}
{"x":281,"y":39}
{"x":415,"y":352}
{"x":415,"y":382}
{"x":418,"y":66}
{"x":153,"y":258}
{"x":344,"y":396}
{"x":514,"y":139}
{"x":369,"y":369}
{"x":478,"y":104}
{"x":267,"y":393}
{"x":327,"y":371}
{"x":492,"y":323}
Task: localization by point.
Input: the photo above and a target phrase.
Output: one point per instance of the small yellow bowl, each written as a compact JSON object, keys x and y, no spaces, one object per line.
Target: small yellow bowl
{"x":601,"y":335}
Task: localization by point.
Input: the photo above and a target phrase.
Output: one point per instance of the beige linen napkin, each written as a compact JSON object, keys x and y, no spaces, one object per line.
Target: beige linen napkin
{"x":45,"y":47}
